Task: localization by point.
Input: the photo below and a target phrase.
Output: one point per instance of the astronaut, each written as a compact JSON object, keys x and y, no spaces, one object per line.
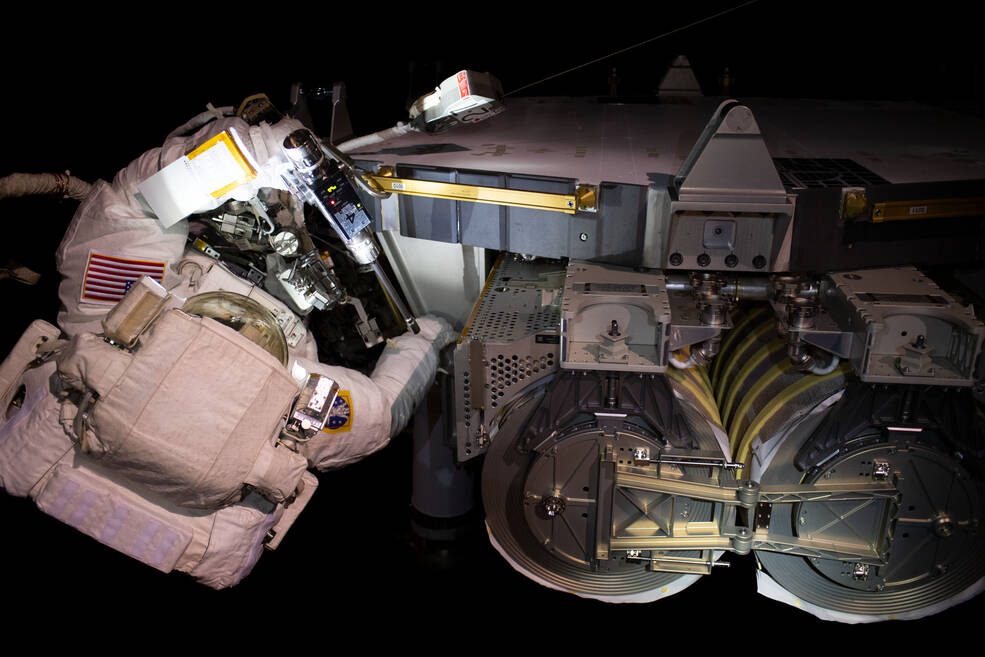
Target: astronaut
{"x":175,"y":410}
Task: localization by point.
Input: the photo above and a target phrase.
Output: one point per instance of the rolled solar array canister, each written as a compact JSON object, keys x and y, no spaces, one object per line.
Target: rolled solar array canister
{"x":693,"y":385}
{"x":758,"y":391}
{"x":927,"y":558}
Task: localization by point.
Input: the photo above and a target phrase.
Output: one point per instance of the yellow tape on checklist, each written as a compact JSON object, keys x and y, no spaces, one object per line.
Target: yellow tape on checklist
{"x":220,"y":165}
{"x":195,"y":182}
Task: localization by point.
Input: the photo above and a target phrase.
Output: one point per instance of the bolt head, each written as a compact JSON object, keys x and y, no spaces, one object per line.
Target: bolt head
{"x":553,"y":506}
{"x":943,"y":526}
{"x":860,"y":572}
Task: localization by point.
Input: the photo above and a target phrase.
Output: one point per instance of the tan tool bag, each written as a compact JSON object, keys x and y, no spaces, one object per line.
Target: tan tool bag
{"x":192,"y":414}
{"x":37,"y":458}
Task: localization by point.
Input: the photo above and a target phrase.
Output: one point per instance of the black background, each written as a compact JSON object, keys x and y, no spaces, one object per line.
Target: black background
{"x":83,"y":96}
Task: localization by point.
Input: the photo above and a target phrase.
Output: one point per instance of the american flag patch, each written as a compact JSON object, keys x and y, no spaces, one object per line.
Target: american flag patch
{"x":107,"y":278}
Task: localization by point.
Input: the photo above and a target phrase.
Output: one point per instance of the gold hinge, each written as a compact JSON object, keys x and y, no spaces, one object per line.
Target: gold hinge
{"x":567,"y":203}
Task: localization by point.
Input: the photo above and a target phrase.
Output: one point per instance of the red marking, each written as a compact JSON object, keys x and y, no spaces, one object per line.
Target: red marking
{"x":100,"y":256}
{"x":101,"y":297}
{"x":107,"y":277}
{"x":97,"y":276}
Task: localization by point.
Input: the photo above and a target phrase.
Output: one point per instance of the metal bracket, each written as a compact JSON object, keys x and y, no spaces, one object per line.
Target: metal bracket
{"x":588,"y":198}
{"x":820,"y":547}
{"x":741,"y":514}
{"x":681,"y":533}
{"x":687,"y":327}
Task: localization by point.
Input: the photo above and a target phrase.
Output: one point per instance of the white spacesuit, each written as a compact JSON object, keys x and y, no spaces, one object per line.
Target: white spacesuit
{"x":172,"y":452}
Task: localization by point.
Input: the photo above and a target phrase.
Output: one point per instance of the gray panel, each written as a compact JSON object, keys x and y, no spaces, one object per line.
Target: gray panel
{"x":614,"y":234}
{"x":537,"y":232}
{"x":741,"y":238}
{"x":622,"y":211}
{"x":428,"y":218}
{"x":482,"y":224}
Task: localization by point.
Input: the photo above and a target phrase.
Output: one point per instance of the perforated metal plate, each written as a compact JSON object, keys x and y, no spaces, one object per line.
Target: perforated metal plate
{"x":511,"y":341}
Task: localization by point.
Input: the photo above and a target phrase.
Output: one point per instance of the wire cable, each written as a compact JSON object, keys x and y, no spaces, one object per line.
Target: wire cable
{"x":637,"y":45}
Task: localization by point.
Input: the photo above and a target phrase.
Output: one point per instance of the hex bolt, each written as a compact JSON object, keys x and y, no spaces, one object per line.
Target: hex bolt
{"x":676,"y":259}
{"x":704,"y":260}
{"x":583,"y":237}
{"x":881,"y":470}
{"x":553,"y":505}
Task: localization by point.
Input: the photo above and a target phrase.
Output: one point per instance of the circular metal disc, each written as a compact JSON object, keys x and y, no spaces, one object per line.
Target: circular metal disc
{"x":936,"y":545}
{"x":541,"y":507}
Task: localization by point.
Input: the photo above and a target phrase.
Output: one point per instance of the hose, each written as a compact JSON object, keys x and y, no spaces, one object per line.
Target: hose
{"x":827,"y":369}
{"x":682,"y":364}
{"x":31,"y":184}
{"x":377,"y":137}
